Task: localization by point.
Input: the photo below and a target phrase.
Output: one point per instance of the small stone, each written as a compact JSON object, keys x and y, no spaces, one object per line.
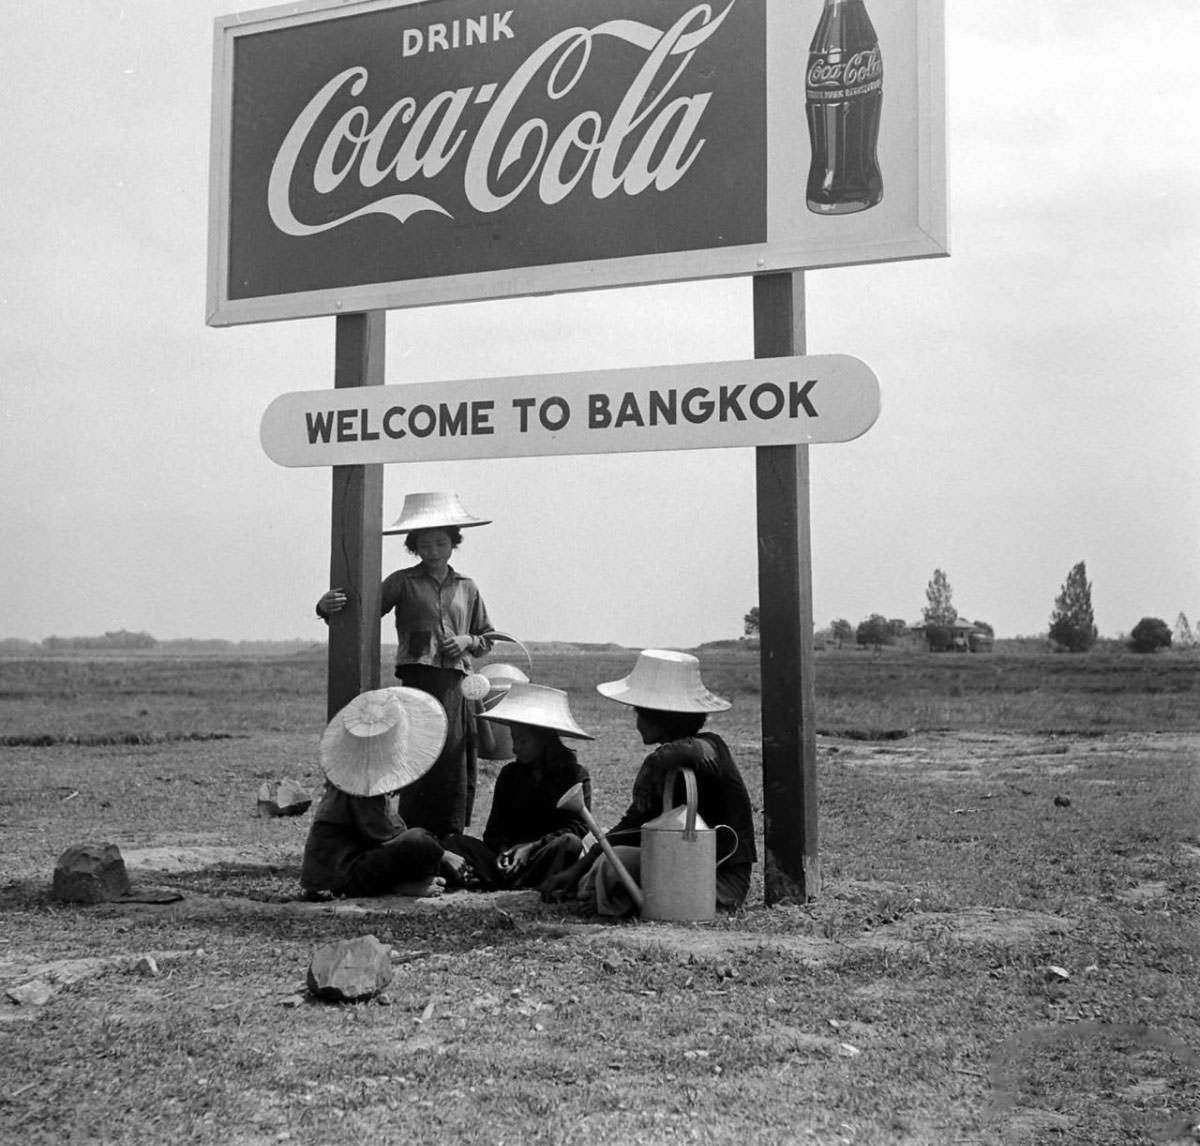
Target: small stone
{"x":90,"y":873}
{"x":35,"y":993}
{"x":1062,"y":801}
{"x":350,"y":969}
{"x":147,"y":965}
{"x":282,"y":798}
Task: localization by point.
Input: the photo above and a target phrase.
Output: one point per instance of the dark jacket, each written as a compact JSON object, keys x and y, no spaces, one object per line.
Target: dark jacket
{"x":721,"y":795}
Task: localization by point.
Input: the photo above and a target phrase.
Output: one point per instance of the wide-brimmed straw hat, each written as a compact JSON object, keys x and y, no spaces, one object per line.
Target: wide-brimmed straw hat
{"x":383,"y":740}
{"x":539,"y":705}
{"x":438,"y":510}
{"x":664,"y":680}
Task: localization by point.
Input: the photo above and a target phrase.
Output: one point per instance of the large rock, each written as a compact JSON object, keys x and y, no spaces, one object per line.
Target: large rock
{"x":350,"y":969}
{"x":282,"y":798}
{"x":90,"y":873}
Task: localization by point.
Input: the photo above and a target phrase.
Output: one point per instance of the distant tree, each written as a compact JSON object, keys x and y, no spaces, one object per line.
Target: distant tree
{"x":119,"y":639}
{"x":750,"y":621}
{"x":1072,"y":624}
{"x":1184,"y":637}
{"x":874,"y":631}
{"x":1149,"y":635}
{"x":940,"y":609}
{"x":984,"y":628}
{"x":897,"y":627}
{"x":842,"y":631}
{"x":123,"y":639}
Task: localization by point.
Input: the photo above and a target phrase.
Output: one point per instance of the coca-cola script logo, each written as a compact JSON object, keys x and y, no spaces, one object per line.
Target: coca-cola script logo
{"x":831,"y":73}
{"x":447,"y":138}
{"x":416,"y":139}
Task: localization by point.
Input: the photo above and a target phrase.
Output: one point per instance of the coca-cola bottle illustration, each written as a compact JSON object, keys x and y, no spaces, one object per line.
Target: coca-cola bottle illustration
{"x":844,"y":98}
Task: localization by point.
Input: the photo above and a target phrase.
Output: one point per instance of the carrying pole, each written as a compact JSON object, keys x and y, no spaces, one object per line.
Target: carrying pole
{"x":791,"y":863}
{"x":355,"y":543}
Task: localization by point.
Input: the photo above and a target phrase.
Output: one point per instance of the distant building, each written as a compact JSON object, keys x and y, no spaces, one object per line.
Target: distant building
{"x":960,"y":637}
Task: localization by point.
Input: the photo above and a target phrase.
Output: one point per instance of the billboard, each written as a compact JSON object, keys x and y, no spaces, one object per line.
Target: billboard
{"x":391,"y":153}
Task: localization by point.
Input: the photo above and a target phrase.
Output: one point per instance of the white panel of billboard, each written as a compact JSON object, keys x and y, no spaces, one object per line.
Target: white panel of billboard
{"x":394,"y":153}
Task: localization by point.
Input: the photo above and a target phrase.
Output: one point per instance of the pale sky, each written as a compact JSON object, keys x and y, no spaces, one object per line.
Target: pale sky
{"x":1039,"y":386}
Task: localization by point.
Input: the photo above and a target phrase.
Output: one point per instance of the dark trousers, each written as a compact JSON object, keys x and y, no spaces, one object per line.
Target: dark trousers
{"x":442,"y":800}
{"x":552,"y":857}
{"x":413,"y":856}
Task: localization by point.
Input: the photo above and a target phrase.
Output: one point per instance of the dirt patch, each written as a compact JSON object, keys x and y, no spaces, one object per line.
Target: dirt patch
{"x":175,"y":858}
{"x":985,"y":925}
{"x":998,"y":757}
{"x":977,"y":925}
{"x":525,"y":910}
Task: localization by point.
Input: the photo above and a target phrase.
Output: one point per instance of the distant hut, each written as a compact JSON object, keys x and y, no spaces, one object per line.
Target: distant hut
{"x":980,"y":640}
{"x":961,"y":637}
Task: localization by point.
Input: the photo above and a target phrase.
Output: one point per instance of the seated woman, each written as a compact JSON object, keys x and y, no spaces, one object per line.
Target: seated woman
{"x":672,"y":704}
{"x":358,"y":845}
{"x":528,"y":839}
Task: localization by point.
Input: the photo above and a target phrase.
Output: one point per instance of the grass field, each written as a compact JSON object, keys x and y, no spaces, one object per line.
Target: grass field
{"x":1004,"y":950}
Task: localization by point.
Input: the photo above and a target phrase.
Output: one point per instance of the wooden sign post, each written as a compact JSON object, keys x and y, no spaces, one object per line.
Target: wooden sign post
{"x":791,"y":867}
{"x":355,"y":542}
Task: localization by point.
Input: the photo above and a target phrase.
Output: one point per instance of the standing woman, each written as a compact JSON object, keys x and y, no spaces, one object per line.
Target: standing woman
{"x":441,"y":622}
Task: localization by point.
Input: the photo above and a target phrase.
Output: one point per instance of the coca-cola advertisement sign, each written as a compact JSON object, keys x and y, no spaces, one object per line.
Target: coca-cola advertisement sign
{"x":405,"y":152}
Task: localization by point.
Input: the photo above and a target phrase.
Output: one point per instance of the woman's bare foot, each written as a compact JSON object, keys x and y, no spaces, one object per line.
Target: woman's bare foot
{"x":458,"y":872}
{"x":453,"y":865}
{"x":429,"y":888}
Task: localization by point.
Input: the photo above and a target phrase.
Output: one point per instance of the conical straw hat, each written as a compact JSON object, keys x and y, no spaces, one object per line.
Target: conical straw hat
{"x":433,"y":511}
{"x":383,"y":740}
{"x":538,"y":705}
{"x":664,"y":680}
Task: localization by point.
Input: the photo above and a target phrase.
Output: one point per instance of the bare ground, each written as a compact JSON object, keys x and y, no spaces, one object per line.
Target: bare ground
{"x":974,"y":768}
{"x":982,"y":766}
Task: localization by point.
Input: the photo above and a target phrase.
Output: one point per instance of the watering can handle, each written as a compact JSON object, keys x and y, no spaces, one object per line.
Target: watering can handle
{"x":727,"y":828}
{"x":496,"y":635}
{"x":668,"y":795}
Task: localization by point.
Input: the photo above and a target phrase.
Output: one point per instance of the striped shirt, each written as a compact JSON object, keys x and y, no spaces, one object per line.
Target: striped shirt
{"x":427,"y":612}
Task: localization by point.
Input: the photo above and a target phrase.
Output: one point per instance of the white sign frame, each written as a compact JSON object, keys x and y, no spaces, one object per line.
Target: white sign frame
{"x":919,"y":230}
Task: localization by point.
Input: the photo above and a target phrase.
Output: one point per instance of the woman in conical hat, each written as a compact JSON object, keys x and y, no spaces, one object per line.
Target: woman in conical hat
{"x":528,"y":838}
{"x":441,"y":623}
{"x":382,"y":742}
{"x":672,"y":704}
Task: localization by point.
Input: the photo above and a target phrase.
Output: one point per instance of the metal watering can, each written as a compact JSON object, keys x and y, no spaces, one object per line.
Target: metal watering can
{"x":679,"y":858}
